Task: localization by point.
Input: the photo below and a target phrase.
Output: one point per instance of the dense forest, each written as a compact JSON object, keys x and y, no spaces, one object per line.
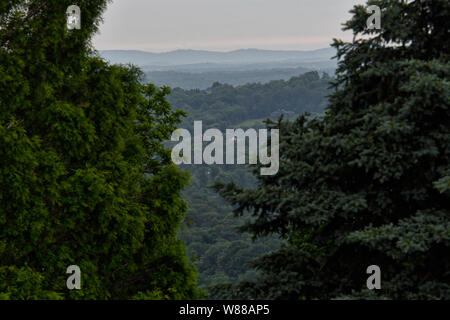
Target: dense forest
{"x":223,"y":106}
{"x":87,"y":179}
{"x":222,"y":254}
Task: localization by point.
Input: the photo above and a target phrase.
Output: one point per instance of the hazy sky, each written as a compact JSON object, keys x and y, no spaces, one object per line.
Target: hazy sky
{"x":223,"y":25}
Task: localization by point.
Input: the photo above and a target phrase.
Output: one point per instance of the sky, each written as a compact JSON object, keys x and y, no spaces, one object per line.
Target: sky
{"x":223,"y":25}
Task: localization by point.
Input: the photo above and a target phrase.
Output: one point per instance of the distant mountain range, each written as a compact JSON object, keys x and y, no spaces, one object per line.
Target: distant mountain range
{"x":190,"y":69}
{"x":192,"y":59}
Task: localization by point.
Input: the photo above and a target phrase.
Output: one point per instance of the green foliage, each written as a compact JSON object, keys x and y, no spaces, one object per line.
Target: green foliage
{"x":224,"y":107}
{"x":221,"y":252}
{"x":23,"y":283}
{"x":367,"y":183}
{"x":84,"y":176}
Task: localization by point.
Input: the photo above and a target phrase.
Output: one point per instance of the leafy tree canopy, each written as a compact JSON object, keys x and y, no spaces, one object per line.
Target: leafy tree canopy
{"x":84,"y":177}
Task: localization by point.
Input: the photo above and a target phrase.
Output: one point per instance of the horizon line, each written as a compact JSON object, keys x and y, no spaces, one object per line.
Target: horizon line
{"x":216,"y":51}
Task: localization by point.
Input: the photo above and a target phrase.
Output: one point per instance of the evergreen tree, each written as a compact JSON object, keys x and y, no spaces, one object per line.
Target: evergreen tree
{"x":84,"y":177}
{"x":369,"y":182}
